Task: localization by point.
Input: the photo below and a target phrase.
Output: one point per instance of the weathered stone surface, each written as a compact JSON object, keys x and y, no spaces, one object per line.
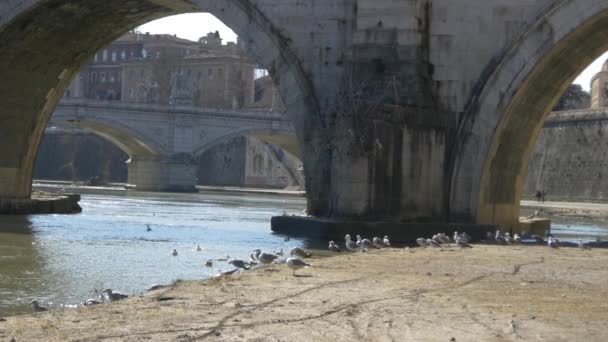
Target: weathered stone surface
{"x":42,"y":203}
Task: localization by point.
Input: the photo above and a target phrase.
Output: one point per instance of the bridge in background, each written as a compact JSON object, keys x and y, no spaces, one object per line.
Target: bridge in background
{"x":163,"y":142}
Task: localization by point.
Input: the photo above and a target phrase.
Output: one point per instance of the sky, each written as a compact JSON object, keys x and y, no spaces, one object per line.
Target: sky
{"x":195,"y":25}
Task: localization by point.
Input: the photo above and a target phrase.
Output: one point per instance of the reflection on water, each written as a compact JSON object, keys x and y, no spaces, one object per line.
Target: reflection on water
{"x":63,"y":258}
{"x":575,"y":232}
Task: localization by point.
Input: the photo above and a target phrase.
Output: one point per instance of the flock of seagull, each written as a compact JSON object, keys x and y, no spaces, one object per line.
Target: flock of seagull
{"x":295,"y":256}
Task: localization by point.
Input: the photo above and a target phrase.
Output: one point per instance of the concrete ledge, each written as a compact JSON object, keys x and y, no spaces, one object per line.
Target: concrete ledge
{"x":536,"y":225}
{"x":41,"y":203}
{"x":333,"y":229}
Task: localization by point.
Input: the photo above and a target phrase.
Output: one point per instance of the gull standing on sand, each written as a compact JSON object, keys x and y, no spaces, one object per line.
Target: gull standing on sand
{"x":239,"y":264}
{"x":36,"y":307}
{"x":516,"y":238}
{"x":583,"y":245}
{"x":378,"y":243}
{"x":508,"y":238}
{"x":114,"y":296}
{"x":174,"y":252}
{"x":553,"y":243}
{"x":295,"y":264}
{"x":333,"y":247}
{"x":386,"y":241}
{"x":266,"y":258}
{"x":433,"y":243}
{"x":363,"y":243}
{"x":422,"y":242}
{"x":350,"y":244}
{"x":301,"y":252}
{"x":499,"y":238}
{"x":462,"y":244}
{"x":91,"y":302}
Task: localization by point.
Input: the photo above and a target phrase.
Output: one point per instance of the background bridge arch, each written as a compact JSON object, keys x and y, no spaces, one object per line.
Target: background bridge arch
{"x":499,"y":130}
{"x":47,"y":42}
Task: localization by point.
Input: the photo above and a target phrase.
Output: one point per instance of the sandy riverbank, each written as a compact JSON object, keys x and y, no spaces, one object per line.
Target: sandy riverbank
{"x":488,"y":293}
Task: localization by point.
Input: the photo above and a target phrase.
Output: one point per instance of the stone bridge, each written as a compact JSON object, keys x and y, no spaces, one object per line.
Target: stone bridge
{"x":405,"y":110}
{"x":164,"y":141}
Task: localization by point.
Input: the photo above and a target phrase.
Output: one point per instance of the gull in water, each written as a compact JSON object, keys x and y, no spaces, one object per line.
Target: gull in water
{"x":462,"y":244}
{"x":148,"y":229}
{"x":499,"y":238}
{"x":422,"y":242}
{"x":301,"y":252}
{"x":333,"y":247}
{"x":350,"y":244}
{"x":583,"y":245}
{"x":209,"y":263}
{"x":36,"y":307}
{"x":239,"y":264}
{"x":378,"y":243}
{"x":265,"y":258}
{"x":552,"y":242}
{"x":386,"y":241}
{"x":114,"y":296}
{"x":295,"y":264}
{"x":174,"y":252}
{"x":364,"y":244}
{"x":198,"y":248}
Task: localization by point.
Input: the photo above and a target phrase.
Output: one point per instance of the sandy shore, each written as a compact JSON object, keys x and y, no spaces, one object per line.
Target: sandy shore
{"x":488,"y":293}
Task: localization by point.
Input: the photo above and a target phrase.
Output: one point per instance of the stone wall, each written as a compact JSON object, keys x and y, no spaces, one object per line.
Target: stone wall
{"x":570,"y":160}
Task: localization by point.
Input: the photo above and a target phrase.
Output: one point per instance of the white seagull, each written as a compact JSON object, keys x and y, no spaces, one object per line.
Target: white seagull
{"x":422,"y":242}
{"x":266,"y":258}
{"x":114,"y":296}
{"x":462,"y":244}
{"x":174,"y":252}
{"x":386,"y":241}
{"x":433,"y":243}
{"x":295,"y":264}
{"x":364,"y":244}
{"x":499,"y":238}
{"x":553,"y":243}
{"x":198,"y":248}
{"x":333,"y":247}
{"x":301,"y":252}
{"x":350,"y":244}
{"x":508,"y":238}
{"x":378,"y":243}
{"x":148,"y":229}
{"x":583,"y":245}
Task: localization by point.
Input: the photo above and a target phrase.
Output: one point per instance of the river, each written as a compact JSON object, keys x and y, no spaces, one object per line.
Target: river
{"x":63,"y":259}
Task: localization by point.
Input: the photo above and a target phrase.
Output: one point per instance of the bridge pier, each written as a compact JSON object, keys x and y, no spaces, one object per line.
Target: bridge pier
{"x":172,"y":174}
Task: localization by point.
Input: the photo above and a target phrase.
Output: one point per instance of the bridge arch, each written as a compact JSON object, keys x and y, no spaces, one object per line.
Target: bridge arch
{"x":497,"y":133}
{"x":46,"y":41}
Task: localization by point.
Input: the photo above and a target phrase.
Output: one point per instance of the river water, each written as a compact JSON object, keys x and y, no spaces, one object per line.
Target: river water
{"x":62,"y":259}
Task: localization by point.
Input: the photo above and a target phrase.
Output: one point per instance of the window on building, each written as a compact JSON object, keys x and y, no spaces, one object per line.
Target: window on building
{"x":131,"y":92}
{"x":199,"y":75}
{"x":111,"y":78}
{"x":113,"y":56}
{"x":67,"y":93}
{"x":210,"y":73}
{"x":220,"y":72}
{"x":123,"y":55}
{"x":189,"y":72}
{"x":93,"y":76}
{"x":157,"y":54}
{"x":104,"y":56}
{"x":102,"y":77}
{"x":95,"y":58}
{"x":144,"y":53}
{"x":141,"y":73}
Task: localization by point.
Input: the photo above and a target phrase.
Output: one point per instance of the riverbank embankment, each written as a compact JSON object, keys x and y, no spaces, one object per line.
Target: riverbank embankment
{"x":488,"y":293}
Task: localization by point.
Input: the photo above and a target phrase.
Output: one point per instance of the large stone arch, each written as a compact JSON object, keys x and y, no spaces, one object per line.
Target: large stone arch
{"x":497,"y":134}
{"x":46,"y":41}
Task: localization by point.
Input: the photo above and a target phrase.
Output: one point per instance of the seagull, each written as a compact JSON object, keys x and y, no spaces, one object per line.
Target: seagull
{"x":266,"y":258}
{"x":156,"y":287}
{"x":508,"y":238}
{"x":174,"y":252}
{"x":114,"y":296}
{"x":422,"y":242}
{"x":256,"y":254}
{"x":301,"y":252}
{"x":295,"y":264}
{"x":363,"y":243}
{"x":583,"y":245}
{"x":333,"y":247}
{"x":279,"y":253}
{"x":462,"y":244}
{"x":91,"y":302}
{"x":386,"y":241}
{"x":252,"y":259}
{"x":238,"y":263}
{"x":499,"y":238}
{"x":378,"y":243}
{"x":553,"y":243}
{"x":516,"y":238}
{"x":148,"y":229}
{"x":456,"y":235}
{"x":433,"y":243}
{"x":465,"y":237}
{"x":443,"y":239}
{"x":198,"y":248}
{"x":36,"y":307}
{"x":209,"y":263}
{"x":350,"y":244}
